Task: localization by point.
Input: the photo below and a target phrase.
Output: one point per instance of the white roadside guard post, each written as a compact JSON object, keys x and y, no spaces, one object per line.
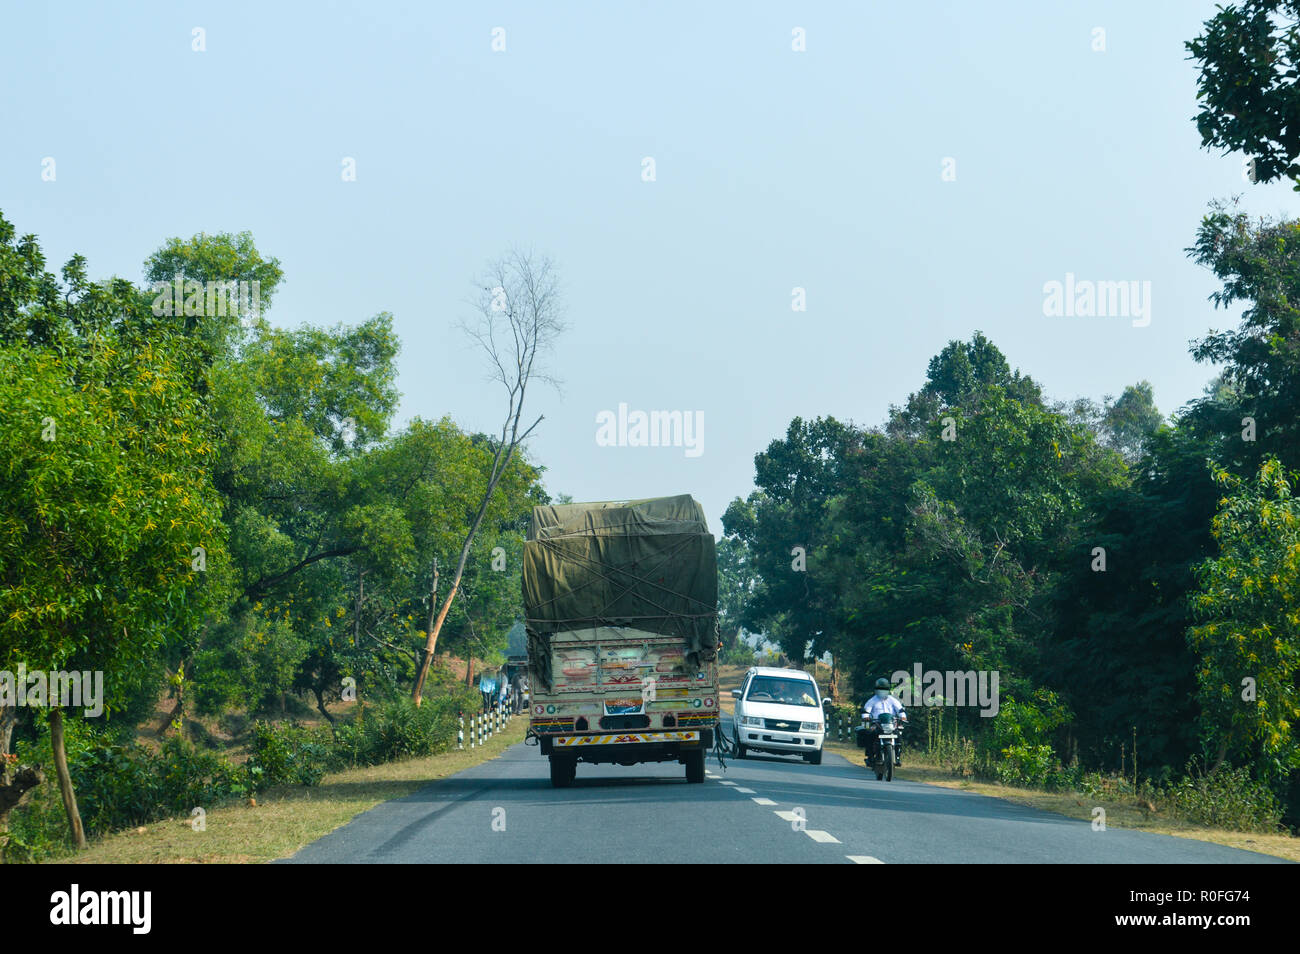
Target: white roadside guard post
{"x":460,"y":732}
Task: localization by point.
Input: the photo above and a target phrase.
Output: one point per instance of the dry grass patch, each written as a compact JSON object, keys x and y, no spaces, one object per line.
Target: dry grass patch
{"x":285,"y":819}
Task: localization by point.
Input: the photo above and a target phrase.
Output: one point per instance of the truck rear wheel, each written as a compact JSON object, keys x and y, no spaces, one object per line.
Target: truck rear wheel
{"x":564,"y":769}
{"x":695,"y":766}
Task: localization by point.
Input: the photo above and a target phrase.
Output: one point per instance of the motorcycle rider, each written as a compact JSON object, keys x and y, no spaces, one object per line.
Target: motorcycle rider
{"x":882,"y":701}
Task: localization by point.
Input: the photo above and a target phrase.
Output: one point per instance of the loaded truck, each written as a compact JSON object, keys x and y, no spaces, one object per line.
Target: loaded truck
{"x":621,"y":614}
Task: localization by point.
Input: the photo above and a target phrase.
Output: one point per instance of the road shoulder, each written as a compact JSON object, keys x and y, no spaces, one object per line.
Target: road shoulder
{"x":285,"y":819}
{"x":1119,"y":814}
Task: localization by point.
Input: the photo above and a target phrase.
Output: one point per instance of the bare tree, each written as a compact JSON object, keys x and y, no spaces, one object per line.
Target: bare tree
{"x":519,"y":319}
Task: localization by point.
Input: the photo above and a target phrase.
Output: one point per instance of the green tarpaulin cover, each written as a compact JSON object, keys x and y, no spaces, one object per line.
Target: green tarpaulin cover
{"x":648,"y":564}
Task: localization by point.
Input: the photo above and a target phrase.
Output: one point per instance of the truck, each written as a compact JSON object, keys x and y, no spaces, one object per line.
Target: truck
{"x":621,"y":617}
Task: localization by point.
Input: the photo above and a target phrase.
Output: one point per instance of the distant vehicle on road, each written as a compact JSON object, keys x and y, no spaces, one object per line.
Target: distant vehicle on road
{"x":620,"y":605}
{"x":780,"y":711}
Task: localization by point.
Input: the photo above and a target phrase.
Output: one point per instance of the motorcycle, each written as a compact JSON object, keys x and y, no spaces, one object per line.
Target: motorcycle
{"x":888,"y":733}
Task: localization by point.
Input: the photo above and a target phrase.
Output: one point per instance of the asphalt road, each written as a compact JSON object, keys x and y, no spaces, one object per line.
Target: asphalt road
{"x":763,"y":809}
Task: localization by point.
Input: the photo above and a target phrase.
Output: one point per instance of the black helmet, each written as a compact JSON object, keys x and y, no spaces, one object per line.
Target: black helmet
{"x":882,"y":683}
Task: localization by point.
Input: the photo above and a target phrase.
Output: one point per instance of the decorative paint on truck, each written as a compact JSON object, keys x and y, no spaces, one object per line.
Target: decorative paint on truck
{"x":635,"y":685}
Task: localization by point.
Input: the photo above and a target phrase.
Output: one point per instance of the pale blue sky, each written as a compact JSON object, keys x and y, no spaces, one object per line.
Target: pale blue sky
{"x":775,"y":169}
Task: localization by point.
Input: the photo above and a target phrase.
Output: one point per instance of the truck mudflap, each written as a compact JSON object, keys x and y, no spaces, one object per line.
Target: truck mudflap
{"x":571,"y":741}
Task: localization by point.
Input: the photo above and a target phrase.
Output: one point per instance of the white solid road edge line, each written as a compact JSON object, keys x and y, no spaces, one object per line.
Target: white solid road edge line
{"x":864,"y":860}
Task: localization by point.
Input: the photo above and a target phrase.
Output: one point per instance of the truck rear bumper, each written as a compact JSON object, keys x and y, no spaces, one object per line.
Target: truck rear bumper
{"x":628,"y":748}
{"x":625,"y":738}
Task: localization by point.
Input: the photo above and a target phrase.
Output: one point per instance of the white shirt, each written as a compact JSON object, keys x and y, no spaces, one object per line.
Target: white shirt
{"x":876,"y":705}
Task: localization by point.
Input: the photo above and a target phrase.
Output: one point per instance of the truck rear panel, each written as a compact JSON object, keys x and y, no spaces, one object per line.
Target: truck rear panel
{"x":624,"y":695}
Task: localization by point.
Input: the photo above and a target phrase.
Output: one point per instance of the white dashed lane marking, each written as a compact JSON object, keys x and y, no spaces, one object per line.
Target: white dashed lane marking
{"x":816,"y":834}
{"x":864,"y":860}
{"x":723,"y":782}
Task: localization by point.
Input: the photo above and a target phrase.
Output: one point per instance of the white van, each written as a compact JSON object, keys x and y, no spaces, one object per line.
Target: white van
{"x":780,"y":711}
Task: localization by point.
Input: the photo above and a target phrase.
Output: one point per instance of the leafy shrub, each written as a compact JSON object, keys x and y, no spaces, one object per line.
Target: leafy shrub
{"x":1229,"y":798}
{"x":1063,"y":778}
{"x":403,"y":731}
{"x":1016,"y":748}
{"x":400,"y":730}
{"x":288,"y":754}
{"x":123,"y":784}
{"x":1024,"y":764}
{"x":118,"y":785}
{"x":954,"y":755}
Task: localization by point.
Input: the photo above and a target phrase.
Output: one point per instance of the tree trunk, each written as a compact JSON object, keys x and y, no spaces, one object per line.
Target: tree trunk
{"x":65,"y":778}
{"x":1220,"y":756}
{"x":431,"y":639}
{"x":177,"y":714}
{"x":320,"y":703}
{"x":469,"y":673}
{"x":8,"y":719}
{"x":356,"y":608}
{"x":178,"y":710}
{"x":500,"y":462}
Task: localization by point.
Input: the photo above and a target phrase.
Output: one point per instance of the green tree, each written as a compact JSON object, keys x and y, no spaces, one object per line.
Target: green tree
{"x":1259,"y":264}
{"x":779,"y":527}
{"x":1248,"y":637}
{"x":1249,"y":57}
{"x":1130,"y":421}
{"x":108,"y":519}
{"x":734,"y":583}
{"x":1118,"y":639}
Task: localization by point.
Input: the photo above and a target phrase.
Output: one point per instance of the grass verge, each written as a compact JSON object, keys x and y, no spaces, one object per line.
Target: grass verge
{"x":286,"y":818}
{"x":1119,"y":813}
